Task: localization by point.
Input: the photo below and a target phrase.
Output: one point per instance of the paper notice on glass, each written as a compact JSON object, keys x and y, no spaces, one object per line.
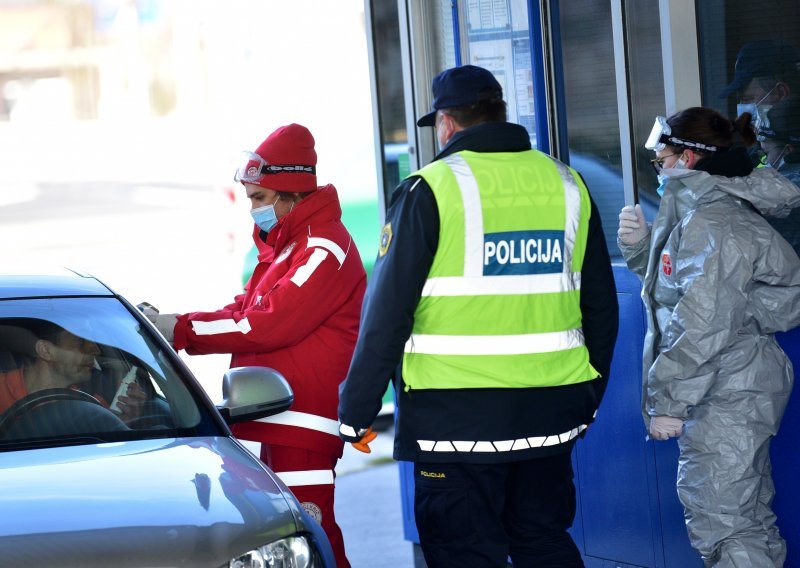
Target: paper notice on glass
{"x":488,"y":15}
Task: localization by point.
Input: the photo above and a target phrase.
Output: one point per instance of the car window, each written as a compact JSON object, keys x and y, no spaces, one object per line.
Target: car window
{"x":76,"y":370}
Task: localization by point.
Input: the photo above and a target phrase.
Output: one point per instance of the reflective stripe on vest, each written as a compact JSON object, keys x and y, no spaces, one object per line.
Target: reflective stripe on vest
{"x":501,"y":306}
{"x":465,"y":446}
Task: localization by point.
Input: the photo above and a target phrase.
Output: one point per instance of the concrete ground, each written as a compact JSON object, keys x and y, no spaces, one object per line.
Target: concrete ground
{"x":368,"y":507}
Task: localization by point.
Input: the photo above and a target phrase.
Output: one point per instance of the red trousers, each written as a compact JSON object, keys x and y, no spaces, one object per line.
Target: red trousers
{"x":310,"y":476}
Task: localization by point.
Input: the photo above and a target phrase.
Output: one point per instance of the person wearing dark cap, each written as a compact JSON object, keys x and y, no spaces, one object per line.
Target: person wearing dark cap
{"x":492,"y":307}
{"x":299,"y":315}
{"x":780,"y":141}
{"x":766,"y":72}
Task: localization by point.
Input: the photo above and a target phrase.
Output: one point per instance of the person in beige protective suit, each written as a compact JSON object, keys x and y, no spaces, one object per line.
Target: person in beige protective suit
{"x":718,"y":282}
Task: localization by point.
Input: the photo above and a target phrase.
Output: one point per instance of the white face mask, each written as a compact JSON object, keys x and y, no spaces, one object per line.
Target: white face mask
{"x":757,"y":110}
{"x":779,"y":161}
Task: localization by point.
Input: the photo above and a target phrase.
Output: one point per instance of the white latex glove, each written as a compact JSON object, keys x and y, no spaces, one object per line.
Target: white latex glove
{"x":149,"y":311}
{"x":165,"y":323}
{"x":665,"y":427}
{"x":632,"y":226}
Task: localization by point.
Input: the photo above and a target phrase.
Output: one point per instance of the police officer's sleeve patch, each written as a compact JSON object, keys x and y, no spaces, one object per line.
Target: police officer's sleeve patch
{"x":386,"y":239}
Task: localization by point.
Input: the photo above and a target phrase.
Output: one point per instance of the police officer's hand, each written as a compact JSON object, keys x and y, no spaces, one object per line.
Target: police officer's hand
{"x":359,"y":439}
{"x":165,"y":323}
{"x":632,"y":225}
{"x":363,"y":444}
{"x":665,"y":427}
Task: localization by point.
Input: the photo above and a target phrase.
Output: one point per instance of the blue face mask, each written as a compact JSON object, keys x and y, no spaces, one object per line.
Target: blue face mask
{"x":662,"y":183}
{"x":265,"y":216}
{"x":663,"y":179}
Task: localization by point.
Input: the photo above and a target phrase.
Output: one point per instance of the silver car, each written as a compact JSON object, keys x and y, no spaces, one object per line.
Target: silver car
{"x":111,"y":454}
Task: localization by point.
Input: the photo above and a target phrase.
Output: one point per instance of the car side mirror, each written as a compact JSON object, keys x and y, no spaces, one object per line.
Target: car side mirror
{"x":249,"y":393}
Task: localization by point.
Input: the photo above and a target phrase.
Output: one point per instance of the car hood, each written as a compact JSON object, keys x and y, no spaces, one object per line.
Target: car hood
{"x":168,"y":502}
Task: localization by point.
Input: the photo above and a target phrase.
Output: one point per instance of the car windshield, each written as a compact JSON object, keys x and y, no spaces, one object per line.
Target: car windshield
{"x":85,"y":370}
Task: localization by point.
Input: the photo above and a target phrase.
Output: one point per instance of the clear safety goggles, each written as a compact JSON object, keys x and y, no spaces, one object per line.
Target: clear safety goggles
{"x":661,"y":137}
{"x":766,"y":133}
{"x":251,"y":168}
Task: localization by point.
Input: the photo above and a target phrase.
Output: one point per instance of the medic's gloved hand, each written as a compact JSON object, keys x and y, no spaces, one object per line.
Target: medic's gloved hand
{"x":665,"y":427}
{"x":632,"y":225}
{"x":358,"y":439}
{"x":149,"y":311}
{"x":165,"y":323}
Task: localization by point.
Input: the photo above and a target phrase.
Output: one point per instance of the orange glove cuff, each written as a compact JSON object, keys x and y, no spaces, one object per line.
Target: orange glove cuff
{"x":363,"y":444}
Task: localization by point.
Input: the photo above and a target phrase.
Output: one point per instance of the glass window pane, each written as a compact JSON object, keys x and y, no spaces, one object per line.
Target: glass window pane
{"x":646,"y":90}
{"x":749,"y":62}
{"x":89,"y":352}
{"x":591,"y":101}
{"x":498,"y":39}
{"x":766,"y":34}
{"x":391,"y":98}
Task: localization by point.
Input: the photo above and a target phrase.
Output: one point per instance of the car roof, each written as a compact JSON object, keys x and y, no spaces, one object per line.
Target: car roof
{"x":36,"y":282}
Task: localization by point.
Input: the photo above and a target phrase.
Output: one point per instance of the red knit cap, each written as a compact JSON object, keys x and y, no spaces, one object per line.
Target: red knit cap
{"x":291,"y":145}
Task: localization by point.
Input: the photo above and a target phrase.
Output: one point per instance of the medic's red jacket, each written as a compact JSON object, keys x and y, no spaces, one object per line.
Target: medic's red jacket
{"x":299,"y":315}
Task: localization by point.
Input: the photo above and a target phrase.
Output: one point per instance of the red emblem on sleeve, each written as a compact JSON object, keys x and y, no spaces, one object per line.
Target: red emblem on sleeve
{"x":666,"y":264}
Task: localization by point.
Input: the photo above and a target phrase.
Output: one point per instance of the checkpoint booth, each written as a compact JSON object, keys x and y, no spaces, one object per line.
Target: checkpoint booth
{"x":586,"y":80}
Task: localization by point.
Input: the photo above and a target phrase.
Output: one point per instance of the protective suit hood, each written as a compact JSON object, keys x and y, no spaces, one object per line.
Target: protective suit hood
{"x":765,"y":189}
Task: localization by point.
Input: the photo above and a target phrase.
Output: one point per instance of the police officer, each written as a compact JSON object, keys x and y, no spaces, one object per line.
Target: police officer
{"x":493,"y":287}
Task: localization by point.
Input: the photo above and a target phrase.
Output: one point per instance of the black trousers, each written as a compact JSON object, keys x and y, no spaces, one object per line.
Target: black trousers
{"x":477,"y":515}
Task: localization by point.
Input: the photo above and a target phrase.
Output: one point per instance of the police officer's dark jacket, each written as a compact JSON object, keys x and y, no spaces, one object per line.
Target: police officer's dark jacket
{"x":432,"y":422}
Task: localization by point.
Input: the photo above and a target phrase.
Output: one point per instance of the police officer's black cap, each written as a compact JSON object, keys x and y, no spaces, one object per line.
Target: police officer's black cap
{"x":461,"y":86}
{"x":765,"y":58}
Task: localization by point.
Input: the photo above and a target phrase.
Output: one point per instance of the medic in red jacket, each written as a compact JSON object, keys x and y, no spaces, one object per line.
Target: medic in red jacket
{"x":299,"y":315}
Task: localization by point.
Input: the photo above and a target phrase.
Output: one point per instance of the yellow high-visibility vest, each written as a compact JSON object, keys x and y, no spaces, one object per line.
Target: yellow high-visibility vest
{"x":501,"y":305}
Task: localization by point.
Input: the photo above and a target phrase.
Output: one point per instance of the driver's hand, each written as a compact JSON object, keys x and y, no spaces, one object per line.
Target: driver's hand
{"x":130,"y":404}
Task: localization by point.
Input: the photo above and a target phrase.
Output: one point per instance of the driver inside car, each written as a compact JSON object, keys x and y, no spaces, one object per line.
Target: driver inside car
{"x":57,"y":359}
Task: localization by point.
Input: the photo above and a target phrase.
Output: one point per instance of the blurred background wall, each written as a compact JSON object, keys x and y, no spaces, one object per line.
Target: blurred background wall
{"x":120,"y":119}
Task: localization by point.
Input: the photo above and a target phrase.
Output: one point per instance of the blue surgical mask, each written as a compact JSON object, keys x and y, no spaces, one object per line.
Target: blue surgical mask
{"x":663,"y":178}
{"x":662,"y":183}
{"x":265,"y":216}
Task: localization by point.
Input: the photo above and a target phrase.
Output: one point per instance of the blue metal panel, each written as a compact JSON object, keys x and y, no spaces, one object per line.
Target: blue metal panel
{"x":786,"y":459}
{"x":675,"y":540}
{"x":618,"y":498}
{"x":577,"y":526}
{"x":407,"y":501}
{"x":456,"y":33}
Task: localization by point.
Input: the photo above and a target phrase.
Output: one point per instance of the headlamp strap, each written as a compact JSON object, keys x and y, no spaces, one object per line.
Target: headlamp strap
{"x":777,"y":135}
{"x":675,"y":141}
{"x":291,"y":169}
